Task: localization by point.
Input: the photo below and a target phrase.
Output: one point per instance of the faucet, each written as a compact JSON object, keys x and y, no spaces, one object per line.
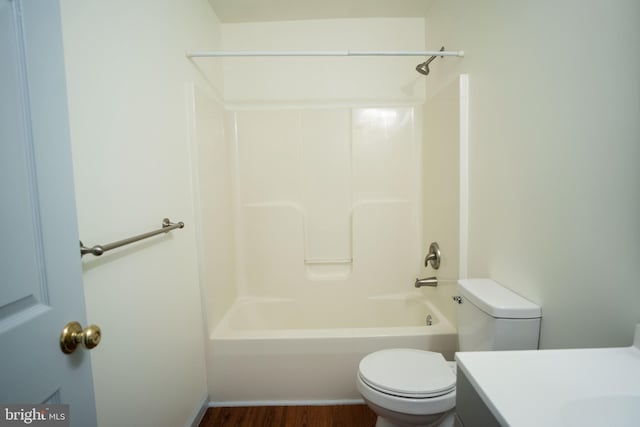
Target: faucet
{"x":428,"y":281}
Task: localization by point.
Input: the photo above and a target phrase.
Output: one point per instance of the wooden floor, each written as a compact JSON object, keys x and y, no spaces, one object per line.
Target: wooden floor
{"x":290,"y":416}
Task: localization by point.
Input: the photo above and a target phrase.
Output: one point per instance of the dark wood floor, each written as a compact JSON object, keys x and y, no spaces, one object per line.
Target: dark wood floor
{"x":290,"y":416}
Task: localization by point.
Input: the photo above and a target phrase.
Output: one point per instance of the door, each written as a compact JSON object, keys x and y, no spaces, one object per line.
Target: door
{"x":40,"y":268}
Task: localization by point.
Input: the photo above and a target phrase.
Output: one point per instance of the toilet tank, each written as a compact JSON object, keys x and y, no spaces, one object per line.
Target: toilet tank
{"x":492,"y":317}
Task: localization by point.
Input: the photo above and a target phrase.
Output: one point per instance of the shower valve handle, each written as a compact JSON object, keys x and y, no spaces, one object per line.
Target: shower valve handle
{"x":433,"y":257}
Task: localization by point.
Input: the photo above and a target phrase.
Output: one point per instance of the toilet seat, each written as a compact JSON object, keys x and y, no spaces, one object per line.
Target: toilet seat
{"x":408,"y":373}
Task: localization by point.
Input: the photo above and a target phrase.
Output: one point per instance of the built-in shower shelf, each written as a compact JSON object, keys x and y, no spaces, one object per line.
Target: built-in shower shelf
{"x":328,"y":269}
{"x":328,"y":261}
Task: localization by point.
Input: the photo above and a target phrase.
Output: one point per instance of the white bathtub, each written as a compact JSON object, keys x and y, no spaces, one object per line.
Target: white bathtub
{"x":271,"y":351}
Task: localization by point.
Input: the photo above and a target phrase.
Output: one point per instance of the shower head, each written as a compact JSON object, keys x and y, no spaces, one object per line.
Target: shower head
{"x":424,"y":67}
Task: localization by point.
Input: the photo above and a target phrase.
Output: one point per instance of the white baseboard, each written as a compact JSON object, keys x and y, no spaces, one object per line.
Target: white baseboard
{"x":287,"y":403}
{"x":198,"y":413}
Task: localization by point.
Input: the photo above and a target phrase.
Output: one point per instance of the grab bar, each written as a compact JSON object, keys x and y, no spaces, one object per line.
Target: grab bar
{"x":98,"y":250}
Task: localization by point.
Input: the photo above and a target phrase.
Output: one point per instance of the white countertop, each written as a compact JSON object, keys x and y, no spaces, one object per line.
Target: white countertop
{"x":579,"y":387}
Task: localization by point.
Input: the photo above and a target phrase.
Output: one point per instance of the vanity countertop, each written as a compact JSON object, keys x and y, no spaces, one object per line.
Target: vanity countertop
{"x":575,"y":387}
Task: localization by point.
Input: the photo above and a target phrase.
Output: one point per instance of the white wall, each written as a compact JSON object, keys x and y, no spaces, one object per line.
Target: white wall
{"x":128,"y":81}
{"x":303,"y":81}
{"x":554,"y":131}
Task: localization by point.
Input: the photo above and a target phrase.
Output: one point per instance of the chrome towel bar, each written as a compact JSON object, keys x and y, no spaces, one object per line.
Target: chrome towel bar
{"x":98,"y":250}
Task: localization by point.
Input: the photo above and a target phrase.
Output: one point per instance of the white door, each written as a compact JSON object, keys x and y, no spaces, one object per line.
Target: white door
{"x":40,"y":269}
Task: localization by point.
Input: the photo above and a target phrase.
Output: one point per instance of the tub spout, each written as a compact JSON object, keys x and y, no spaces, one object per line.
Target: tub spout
{"x":428,"y":281}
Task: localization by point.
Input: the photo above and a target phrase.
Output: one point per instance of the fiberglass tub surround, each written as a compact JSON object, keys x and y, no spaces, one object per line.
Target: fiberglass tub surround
{"x":285,"y":350}
{"x":328,"y":239}
{"x":327,"y":200}
{"x":402,"y":314}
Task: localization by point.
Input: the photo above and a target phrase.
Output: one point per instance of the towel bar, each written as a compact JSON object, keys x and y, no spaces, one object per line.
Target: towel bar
{"x":98,"y":250}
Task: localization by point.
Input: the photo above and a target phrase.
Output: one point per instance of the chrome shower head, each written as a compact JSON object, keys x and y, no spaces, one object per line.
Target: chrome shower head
{"x":424,"y":67}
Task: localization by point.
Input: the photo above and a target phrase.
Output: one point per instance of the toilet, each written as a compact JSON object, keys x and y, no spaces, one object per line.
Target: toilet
{"x":412,"y":388}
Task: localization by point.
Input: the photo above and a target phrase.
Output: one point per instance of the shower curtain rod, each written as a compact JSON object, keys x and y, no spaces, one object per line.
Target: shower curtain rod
{"x":215,"y":54}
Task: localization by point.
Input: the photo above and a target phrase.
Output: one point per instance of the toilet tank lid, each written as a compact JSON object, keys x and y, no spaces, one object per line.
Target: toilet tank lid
{"x":496,"y":300}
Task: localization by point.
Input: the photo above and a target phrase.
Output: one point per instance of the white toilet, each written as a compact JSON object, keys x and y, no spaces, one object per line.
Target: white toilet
{"x":408,"y":387}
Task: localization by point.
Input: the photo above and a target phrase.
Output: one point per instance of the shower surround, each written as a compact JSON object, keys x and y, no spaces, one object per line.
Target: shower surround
{"x":308,"y":174}
{"x":328,"y":244}
{"x":327,"y":200}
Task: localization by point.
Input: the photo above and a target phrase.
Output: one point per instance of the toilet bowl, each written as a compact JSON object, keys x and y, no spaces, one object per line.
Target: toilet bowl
{"x":411,"y":388}
{"x":408,"y":387}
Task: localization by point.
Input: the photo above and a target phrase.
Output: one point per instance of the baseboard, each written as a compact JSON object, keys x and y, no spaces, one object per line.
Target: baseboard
{"x":287,"y":403}
{"x":198,"y":413}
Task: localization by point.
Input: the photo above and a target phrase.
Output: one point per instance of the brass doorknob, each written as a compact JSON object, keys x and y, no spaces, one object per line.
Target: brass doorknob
{"x":73,"y":334}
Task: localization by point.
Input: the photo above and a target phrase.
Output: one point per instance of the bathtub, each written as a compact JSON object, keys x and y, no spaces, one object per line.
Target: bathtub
{"x":286,"y":351}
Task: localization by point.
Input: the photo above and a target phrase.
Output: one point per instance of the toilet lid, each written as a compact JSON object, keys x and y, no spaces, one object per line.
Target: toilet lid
{"x":408,"y":373}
